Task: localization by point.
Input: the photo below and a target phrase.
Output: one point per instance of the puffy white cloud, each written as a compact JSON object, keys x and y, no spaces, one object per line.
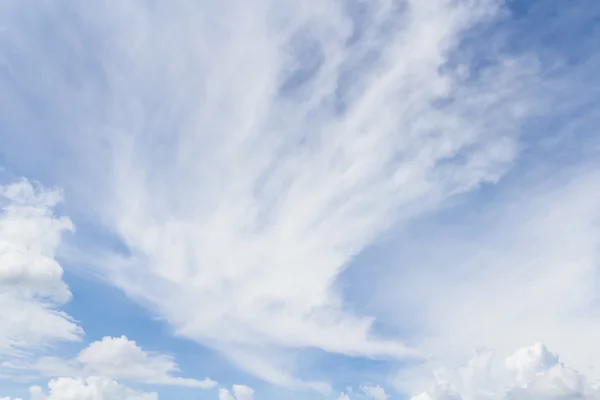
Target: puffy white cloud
{"x":374,"y":392}
{"x":243,"y":392}
{"x":31,"y":285}
{"x":225,"y":395}
{"x":534,"y":373}
{"x":31,"y":292}
{"x":343,"y":396}
{"x":91,"y":388}
{"x":121,"y":359}
{"x":529,"y":362}
{"x":240,"y":392}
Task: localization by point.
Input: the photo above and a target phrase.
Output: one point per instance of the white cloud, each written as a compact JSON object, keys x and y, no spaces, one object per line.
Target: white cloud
{"x":529,"y":362}
{"x":121,"y":359}
{"x":374,"y":392}
{"x":243,"y":392}
{"x":31,"y":292}
{"x":524,"y":271}
{"x":240,"y":392}
{"x":31,"y":285}
{"x":92,"y":388}
{"x":245,"y":195}
{"x":535,"y":374}
{"x":343,"y":396}
{"x":225,"y":395}
{"x":241,"y":202}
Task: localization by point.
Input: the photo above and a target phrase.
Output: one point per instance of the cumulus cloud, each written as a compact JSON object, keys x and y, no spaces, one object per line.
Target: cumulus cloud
{"x":92,"y":388}
{"x":240,"y":392}
{"x":31,"y":293}
{"x":121,"y":359}
{"x":374,"y":392}
{"x":343,"y":396}
{"x":31,"y":285}
{"x":529,"y":362}
{"x":534,"y":372}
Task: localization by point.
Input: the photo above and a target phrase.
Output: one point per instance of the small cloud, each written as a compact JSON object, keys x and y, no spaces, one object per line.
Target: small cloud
{"x":122,"y":359}
{"x":240,"y":392}
{"x":374,"y":392}
{"x":90,"y":388}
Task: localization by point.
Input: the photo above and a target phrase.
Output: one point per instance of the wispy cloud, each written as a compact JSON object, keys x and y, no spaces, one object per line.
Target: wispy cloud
{"x":31,"y":293}
{"x":525,"y":271}
{"x":245,"y":152}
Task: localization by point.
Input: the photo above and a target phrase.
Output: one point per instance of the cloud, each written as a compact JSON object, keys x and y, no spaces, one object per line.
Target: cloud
{"x":536,"y":373}
{"x":374,"y":392}
{"x":524,"y":271}
{"x":31,"y":293}
{"x":246,"y":153}
{"x":517,"y":262}
{"x":529,"y":362}
{"x":121,"y":359}
{"x":242,"y":193}
{"x":31,"y":285}
{"x":240,"y":392}
{"x":92,"y":388}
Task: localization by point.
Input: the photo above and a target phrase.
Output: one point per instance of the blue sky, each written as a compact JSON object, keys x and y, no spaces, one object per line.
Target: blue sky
{"x":335,"y":199}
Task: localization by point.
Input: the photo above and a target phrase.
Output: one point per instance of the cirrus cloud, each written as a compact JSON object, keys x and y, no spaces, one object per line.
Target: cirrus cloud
{"x":244,"y":154}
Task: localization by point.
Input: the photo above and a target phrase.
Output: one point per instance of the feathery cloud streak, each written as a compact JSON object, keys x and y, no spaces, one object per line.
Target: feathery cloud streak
{"x":245,"y":152}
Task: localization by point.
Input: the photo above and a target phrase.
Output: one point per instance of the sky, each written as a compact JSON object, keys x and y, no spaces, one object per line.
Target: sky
{"x":299,"y":200}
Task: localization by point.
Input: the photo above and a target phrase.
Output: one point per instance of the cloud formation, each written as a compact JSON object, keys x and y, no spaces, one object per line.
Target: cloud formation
{"x":374,"y":392}
{"x":244,"y":154}
{"x":240,"y":392}
{"x":31,"y":293}
{"x":535,"y":374}
{"x":121,"y":359}
{"x":92,"y":388}
{"x":242,"y":193}
{"x":526,"y":270}
{"x":31,"y":285}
